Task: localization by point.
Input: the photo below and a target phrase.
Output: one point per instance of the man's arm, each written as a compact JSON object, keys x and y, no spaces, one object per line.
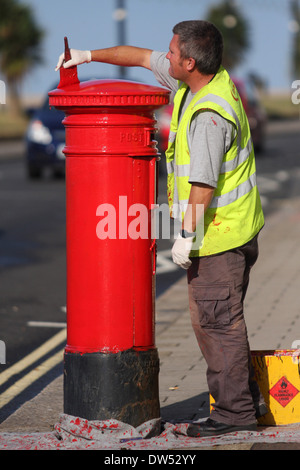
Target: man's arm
{"x":199,"y":200}
{"x":127,"y":56}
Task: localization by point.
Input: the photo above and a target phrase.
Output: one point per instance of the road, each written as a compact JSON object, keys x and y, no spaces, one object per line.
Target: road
{"x":32,"y":259}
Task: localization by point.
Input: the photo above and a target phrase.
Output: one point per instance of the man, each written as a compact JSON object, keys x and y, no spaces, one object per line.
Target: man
{"x":211,"y":166}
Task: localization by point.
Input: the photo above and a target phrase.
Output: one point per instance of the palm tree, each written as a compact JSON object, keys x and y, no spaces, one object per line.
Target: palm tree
{"x":235,"y":30}
{"x":20,"y":39}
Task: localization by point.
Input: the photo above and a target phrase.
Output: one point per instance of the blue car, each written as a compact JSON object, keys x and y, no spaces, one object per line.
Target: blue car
{"x":44,"y":141}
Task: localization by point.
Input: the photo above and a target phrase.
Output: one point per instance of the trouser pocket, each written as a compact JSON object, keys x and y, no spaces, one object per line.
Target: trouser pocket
{"x":213,"y":305}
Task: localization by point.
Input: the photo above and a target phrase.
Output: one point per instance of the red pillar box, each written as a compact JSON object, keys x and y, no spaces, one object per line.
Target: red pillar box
{"x":111,"y":363}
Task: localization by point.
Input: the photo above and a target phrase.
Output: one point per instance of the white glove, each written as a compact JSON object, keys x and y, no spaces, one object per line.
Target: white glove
{"x":78,"y":57}
{"x":181,"y":250}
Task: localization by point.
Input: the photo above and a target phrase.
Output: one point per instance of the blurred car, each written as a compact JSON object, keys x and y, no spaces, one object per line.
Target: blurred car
{"x":256,"y":116}
{"x":164,"y":116}
{"x":44,"y":141}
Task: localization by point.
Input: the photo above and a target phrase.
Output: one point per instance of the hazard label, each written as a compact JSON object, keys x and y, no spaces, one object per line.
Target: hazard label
{"x":283,"y":391}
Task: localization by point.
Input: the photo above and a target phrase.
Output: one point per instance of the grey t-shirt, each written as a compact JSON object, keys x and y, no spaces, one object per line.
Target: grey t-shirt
{"x":210,"y":135}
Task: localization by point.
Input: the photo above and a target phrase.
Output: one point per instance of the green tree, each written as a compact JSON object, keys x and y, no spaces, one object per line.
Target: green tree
{"x":295,"y":61}
{"x":235,"y":30}
{"x":20,"y":40}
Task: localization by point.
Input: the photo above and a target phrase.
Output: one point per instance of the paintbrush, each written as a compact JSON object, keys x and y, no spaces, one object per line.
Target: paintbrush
{"x":67,"y":76}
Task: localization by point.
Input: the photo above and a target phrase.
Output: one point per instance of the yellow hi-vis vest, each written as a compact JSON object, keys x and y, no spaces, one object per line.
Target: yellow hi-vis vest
{"x":235,"y":214}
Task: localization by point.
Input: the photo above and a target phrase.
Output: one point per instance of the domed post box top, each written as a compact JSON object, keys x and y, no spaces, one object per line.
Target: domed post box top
{"x":102,"y":93}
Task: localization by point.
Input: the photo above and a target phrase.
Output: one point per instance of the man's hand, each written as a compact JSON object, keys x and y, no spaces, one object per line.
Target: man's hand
{"x":78,"y":57}
{"x":181,"y":250}
{"x":199,"y":200}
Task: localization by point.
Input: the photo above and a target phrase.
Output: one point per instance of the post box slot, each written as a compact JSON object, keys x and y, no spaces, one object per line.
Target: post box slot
{"x":150,"y":137}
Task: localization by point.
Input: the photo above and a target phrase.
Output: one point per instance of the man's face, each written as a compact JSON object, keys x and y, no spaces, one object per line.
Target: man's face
{"x":177,"y":63}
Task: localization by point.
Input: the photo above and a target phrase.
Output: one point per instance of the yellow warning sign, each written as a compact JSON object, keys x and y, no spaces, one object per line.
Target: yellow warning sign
{"x":283,"y":391}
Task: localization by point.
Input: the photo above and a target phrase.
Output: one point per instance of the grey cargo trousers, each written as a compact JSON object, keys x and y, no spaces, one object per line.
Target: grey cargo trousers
{"x":217,"y":287}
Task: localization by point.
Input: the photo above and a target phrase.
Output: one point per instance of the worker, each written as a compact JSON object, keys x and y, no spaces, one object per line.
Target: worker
{"x":212,"y":188}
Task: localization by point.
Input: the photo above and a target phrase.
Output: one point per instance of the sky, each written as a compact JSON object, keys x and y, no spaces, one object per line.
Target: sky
{"x":90,"y":24}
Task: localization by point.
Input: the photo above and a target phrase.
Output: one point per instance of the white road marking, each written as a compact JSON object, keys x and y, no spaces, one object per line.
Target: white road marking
{"x":267,"y":185}
{"x":164,"y":263}
{"x":29,"y":378}
{"x":36,"y":373}
{"x":47,"y":324}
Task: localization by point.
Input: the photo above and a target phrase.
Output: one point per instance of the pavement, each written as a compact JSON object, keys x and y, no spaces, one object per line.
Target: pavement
{"x":272,"y":312}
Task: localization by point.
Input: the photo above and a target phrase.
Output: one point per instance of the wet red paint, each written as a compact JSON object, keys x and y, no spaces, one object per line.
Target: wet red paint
{"x":214,"y":221}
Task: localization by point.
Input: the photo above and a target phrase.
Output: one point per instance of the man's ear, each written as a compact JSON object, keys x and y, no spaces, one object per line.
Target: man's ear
{"x":191,"y":64}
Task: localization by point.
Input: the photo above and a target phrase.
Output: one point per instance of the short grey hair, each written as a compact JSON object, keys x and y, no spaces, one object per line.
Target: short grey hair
{"x":201,"y":41}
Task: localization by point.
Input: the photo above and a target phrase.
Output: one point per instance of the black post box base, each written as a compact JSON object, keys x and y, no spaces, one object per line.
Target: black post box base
{"x":122,"y":386}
